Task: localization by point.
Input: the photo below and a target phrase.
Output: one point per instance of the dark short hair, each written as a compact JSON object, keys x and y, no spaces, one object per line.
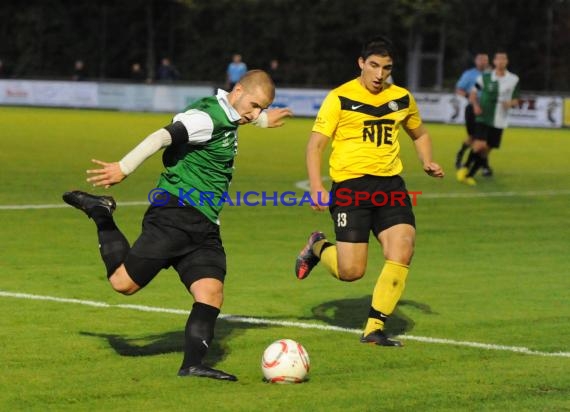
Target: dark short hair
{"x":379,"y":45}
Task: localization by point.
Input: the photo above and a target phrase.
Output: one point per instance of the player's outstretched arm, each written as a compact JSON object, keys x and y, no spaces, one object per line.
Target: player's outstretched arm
{"x":422,"y":141}
{"x":276,"y":117}
{"x":315,"y":147}
{"x":273,"y":117}
{"x":110,"y":174}
{"x":474,"y":100}
{"x":107,"y":175}
{"x":433,"y":169}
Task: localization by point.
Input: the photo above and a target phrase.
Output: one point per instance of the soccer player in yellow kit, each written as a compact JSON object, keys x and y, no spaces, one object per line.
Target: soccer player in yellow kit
{"x":362,"y":120}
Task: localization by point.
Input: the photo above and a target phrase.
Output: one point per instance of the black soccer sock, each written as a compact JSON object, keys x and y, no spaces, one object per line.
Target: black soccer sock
{"x":199,"y":333}
{"x":470,"y":159}
{"x":461,"y":152}
{"x":485,"y":162}
{"x":477,"y":164}
{"x":325,"y":245}
{"x":113,"y":245}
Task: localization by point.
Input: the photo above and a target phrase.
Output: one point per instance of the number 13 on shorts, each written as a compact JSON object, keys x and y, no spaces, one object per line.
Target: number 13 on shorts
{"x":341,"y":219}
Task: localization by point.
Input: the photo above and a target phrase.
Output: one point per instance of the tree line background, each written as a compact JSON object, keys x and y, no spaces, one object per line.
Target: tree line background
{"x":316,"y":41}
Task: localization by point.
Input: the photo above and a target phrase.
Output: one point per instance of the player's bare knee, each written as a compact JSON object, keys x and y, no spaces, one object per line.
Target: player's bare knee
{"x":122,"y":283}
{"x":128,"y":291}
{"x":351,"y":273}
{"x":209,"y":291}
{"x":215,"y":299}
{"x":403,"y":256}
{"x":400,"y":250}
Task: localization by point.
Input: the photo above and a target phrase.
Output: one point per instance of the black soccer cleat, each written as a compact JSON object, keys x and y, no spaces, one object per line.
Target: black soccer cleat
{"x":379,"y":338}
{"x":307,"y":260}
{"x":87,"y":203}
{"x":201,"y":371}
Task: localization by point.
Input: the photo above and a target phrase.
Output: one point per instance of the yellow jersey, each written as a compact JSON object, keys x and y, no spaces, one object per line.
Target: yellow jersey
{"x":364,"y":129}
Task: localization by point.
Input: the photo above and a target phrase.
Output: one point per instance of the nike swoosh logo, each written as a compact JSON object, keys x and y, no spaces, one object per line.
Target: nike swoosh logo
{"x":356,"y":106}
{"x":226,"y":134}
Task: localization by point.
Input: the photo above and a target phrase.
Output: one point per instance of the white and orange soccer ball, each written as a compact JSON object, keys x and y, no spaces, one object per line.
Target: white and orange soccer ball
{"x":285,"y":361}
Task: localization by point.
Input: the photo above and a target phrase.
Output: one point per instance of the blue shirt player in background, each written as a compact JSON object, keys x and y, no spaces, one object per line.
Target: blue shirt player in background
{"x":463,"y":87}
{"x":236,"y":69}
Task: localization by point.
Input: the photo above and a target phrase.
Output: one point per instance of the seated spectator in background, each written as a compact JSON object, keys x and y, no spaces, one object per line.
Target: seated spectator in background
{"x":137,"y":73}
{"x":235,"y":71}
{"x":79,"y":72}
{"x":166,"y":72}
{"x":275,"y":72}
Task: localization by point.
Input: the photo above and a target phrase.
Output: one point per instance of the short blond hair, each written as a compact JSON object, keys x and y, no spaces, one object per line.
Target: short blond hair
{"x":258,"y":78}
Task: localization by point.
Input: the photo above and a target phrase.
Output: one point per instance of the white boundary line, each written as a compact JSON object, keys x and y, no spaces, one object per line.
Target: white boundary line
{"x":63,"y":205}
{"x":302,"y":325}
{"x":304,"y":185}
{"x":451,"y":195}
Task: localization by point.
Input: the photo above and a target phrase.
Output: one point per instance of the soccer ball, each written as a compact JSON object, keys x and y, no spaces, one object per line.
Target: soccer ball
{"x":285,"y":361}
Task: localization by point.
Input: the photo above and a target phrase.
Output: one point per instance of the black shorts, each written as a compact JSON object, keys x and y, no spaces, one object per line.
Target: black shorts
{"x":369,"y":203}
{"x":470,"y":120}
{"x":181,"y":237}
{"x":490,"y":134}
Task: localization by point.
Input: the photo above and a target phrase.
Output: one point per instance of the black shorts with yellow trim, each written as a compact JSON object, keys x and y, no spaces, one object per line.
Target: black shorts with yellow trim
{"x":369,"y":203}
{"x":177,"y":236}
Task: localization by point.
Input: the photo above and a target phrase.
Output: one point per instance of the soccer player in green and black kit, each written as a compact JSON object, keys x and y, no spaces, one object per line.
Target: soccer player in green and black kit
{"x":181,"y":227}
{"x":492,"y":97}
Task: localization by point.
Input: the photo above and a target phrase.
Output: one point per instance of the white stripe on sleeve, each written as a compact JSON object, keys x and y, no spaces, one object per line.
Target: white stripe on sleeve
{"x":198,"y":124}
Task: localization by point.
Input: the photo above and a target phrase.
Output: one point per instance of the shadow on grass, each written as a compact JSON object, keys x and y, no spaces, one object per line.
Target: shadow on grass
{"x":170,"y":342}
{"x":346,"y":313}
{"x":352,"y":313}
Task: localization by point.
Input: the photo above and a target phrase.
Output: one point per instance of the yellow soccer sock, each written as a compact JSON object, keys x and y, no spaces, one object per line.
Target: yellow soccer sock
{"x":328,"y":257}
{"x":387,"y":292}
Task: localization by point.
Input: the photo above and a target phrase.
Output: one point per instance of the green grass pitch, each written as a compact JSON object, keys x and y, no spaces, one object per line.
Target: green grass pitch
{"x":491,"y":267}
